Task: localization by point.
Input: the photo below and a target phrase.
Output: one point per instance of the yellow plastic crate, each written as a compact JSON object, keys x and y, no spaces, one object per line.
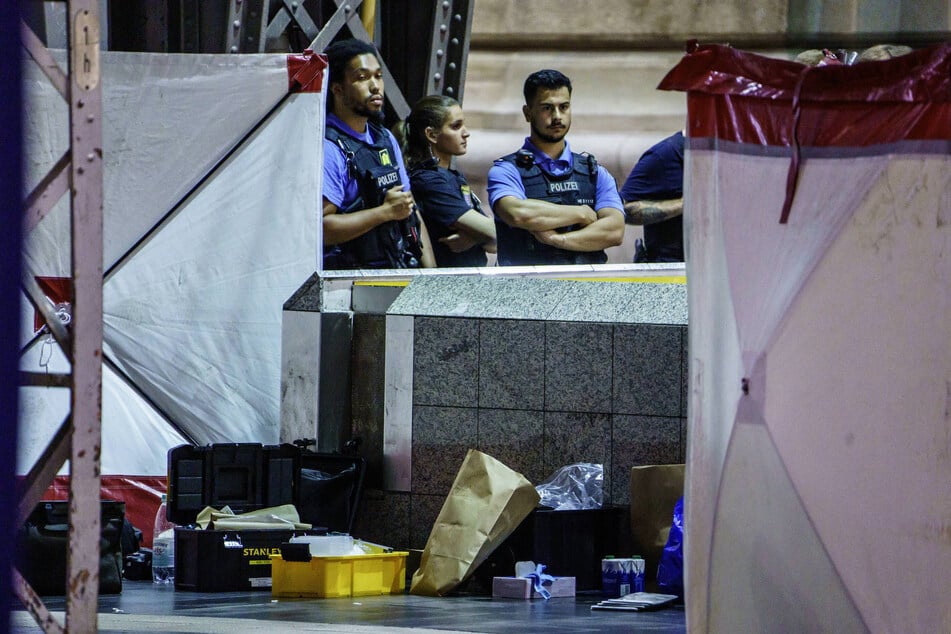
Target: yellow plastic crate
{"x":344,"y":576}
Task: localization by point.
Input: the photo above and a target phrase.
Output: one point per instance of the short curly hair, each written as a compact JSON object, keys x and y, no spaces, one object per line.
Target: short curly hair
{"x":341,"y":52}
{"x":548,"y":78}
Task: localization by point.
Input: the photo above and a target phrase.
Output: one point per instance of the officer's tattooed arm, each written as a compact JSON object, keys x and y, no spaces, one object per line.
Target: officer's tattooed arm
{"x":647,"y":212}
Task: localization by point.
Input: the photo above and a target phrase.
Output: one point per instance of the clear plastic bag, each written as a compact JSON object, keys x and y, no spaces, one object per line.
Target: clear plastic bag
{"x":574,"y":487}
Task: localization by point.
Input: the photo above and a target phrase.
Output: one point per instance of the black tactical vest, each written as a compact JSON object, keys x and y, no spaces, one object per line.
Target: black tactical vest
{"x":391,"y":245}
{"x":445,"y":257}
{"x":519,"y":247}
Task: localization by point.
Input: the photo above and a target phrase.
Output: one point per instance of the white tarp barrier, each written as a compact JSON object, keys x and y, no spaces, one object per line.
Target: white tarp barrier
{"x":135,"y":438}
{"x":167,"y":120}
{"x":196,"y":313}
{"x":211,"y":218}
{"x":819,"y":459}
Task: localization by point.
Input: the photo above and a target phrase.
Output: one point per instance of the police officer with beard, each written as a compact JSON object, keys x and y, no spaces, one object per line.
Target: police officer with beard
{"x":552,"y":206}
{"x":369,"y":216}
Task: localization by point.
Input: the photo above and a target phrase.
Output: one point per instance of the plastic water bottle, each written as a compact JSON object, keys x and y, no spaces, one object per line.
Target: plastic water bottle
{"x":163,"y":548}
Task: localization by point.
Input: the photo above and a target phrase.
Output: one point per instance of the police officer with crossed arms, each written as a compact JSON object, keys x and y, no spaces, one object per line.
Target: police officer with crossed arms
{"x":552,"y":206}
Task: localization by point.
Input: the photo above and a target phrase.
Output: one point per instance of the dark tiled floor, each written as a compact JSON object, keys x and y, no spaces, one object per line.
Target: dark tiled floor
{"x":140,"y":603}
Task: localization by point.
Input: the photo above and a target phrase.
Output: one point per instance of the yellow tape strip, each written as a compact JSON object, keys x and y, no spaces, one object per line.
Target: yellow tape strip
{"x":381,"y":283}
{"x":661,"y":279}
{"x":664,"y":279}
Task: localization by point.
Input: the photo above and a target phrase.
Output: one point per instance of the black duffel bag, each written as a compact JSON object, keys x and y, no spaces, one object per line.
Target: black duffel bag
{"x":42,"y":547}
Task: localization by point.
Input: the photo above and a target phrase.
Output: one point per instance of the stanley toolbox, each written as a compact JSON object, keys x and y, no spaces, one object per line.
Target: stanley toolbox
{"x":247,"y":477}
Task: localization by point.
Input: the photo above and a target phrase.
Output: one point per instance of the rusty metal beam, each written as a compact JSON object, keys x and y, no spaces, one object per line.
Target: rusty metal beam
{"x":278,"y":24}
{"x":37,"y":336}
{"x":34,"y":605}
{"x":46,"y":193}
{"x":40,"y":303}
{"x":449,"y":49}
{"x":41,"y":55}
{"x":35,"y":483}
{"x":333,"y":25}
{"x":85,"y":123}
{"x":297,"y":11}
{"x":45,"y":379}
{"x":246,"y":26}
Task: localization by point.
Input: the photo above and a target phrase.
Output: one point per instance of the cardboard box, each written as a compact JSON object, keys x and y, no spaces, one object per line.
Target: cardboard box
{"x":344,"y":576}
{"x":654,"y":492}
{"x":522,"y":588}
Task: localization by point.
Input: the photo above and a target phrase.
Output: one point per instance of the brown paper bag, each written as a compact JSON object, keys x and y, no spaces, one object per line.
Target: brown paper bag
{"x":486,"y":503}
{"x":654,"y":491}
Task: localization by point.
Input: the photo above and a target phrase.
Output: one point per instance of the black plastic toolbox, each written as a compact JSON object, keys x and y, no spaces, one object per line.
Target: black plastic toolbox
{"x":325,"y":488}
{"x":225,"y":561}
{"x":242,"y":476}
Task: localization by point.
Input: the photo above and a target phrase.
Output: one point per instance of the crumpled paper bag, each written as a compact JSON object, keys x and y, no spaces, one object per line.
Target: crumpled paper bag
{"x":486,"y":503}
{"x":654,"y":491}
{"x":284,"y":517}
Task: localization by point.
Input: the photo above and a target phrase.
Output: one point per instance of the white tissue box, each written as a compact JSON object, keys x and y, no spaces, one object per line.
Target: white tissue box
{"x":522,"y":588}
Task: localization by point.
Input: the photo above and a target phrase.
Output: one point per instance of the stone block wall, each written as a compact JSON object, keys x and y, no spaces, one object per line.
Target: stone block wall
{"x":537,"y":395}
{"x":614,"y":24}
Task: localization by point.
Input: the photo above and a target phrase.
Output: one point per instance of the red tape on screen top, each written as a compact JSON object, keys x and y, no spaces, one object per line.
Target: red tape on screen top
{"x":763,"y":104}
{"x":305,"y":72}
{"x":747,"y":98}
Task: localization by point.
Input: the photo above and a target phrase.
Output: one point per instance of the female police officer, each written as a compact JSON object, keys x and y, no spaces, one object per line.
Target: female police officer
{"x":434,"y":132}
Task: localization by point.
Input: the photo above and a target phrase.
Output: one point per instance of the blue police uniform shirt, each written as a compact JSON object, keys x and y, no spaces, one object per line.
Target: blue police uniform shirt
{"x":442,"y":201}
{"x":504,"y":180}
{"x":338,"y":187}
{"x":659,"y":175}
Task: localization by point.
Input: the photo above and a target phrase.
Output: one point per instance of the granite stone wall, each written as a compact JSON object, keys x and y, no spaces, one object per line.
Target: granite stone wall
{"x":536,"y":395}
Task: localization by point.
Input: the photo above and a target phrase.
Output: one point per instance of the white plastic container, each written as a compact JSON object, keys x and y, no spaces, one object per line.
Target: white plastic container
{"x":326,"y":545}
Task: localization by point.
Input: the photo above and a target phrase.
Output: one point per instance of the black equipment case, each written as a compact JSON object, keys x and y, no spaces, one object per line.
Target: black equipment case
{"x":325,"y":488}
{"x":569,"y":543}
{"x":42,"y":547}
